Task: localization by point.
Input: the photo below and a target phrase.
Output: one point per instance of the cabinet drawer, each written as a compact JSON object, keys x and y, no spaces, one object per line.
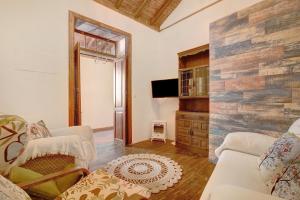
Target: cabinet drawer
{"x":200,"y":133}
{"x":199,"y":142}
{"x":204,"y":144}
{"x":192,"y":116}
{"x":183,"y":131}
{"x":204,"y":126}
{"x":184,"y":123}
{"x":195,"y":141}
{"x":186,"y":140}
{"x":197,"y":124}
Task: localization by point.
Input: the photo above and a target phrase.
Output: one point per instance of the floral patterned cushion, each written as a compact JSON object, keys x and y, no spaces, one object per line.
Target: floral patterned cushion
{"x":9,"y":191}
{"x":12,"y":139}
{"x":100,"y":185}
{"x":279,"y":155}
{"x":287,"y":185}
{"x":38,"y":130}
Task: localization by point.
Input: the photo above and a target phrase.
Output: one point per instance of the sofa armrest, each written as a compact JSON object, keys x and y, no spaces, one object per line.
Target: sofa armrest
{"x":246,"y":142}
{"x":230,"y":192}
{"x":295,"y":127}
{"x":84,"y":132}
{"x":86,"y":135}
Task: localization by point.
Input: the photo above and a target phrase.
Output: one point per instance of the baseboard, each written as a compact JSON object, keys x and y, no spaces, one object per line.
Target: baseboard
{"x":103,"y":129}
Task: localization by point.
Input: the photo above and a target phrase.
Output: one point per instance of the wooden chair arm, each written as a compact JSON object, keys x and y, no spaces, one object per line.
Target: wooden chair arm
{"x":29,"y":184}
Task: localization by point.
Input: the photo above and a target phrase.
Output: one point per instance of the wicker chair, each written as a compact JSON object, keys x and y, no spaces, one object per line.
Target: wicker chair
{"x":53,"y":166}
{"x":49,"y":164}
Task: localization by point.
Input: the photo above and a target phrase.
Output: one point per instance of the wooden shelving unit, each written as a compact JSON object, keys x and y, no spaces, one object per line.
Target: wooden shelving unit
{"x":192,"y":118}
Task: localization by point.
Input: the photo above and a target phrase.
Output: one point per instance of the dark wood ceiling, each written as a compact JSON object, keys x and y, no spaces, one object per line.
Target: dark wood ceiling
{"x":151,"y":13}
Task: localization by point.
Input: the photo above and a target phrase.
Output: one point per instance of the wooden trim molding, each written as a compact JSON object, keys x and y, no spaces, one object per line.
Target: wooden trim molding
{"x":72,"y":18}
{"x":103,"y":129}
{"x":71,"y":69}
{"x":192,"y":14}
{"x":48,"y":177}
{"x":94,"y":36}
{"x":194,"y":50}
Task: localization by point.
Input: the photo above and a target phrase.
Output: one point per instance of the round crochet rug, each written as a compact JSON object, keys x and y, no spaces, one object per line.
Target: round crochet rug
{"x":149,"y":170}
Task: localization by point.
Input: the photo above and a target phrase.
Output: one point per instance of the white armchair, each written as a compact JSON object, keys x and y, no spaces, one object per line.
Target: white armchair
{"x":86,"y":136}
{"x":72,"y":141}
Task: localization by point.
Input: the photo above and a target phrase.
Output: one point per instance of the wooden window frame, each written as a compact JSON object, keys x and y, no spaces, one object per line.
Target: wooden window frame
{"x":73,"y":16}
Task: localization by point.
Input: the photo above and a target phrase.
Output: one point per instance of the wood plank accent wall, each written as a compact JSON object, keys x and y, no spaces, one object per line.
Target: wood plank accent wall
{"x":255,"y":70}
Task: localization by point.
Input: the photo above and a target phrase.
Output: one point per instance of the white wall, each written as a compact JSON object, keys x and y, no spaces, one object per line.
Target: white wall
{"x":34,"y":56}
{"x":97,"y":98}
{"x":185,"y":35}
{"x":34,"y":60}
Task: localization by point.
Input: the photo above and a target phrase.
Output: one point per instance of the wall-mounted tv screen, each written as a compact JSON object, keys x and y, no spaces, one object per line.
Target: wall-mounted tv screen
{"x":165,"y":88}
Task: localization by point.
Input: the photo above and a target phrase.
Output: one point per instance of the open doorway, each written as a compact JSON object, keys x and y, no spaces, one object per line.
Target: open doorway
{"x":97,"y":97}
{"x":100,"y":78}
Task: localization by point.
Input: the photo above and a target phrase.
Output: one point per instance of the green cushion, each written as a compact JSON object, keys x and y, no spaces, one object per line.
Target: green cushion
{"x":65,"y":182}
{"x":48,"y":189}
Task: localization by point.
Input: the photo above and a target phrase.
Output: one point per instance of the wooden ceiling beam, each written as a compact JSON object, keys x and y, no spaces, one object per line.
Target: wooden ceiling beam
{"x":154,"y":22}
{"x":140,"y":9}
{"x":118,"y":3}
{"x":158,"y":14}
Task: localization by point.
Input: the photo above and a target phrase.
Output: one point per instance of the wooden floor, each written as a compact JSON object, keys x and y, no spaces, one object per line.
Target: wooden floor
{"x":196,"y":170}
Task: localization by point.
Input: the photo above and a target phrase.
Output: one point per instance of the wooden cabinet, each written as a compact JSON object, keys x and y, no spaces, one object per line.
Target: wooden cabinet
{"x":192,"y":119}
{"x":193,"y":82}
{"x":192,"y":131}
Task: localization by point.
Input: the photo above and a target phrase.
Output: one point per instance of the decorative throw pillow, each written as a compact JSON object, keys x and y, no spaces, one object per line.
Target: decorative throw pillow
{"x":287,"y":185}
{"x":284,"y":150}
{"x":9,"y":191}
{"x":47,"y":189}
{"x":279,"y":155}
{"x":13,"y":139}
{"x":37,"y":130}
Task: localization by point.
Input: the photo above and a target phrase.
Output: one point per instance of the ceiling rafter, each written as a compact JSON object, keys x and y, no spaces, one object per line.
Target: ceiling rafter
{"x":118,"y":3}
{"x":151,"y":13}
{"x":139,"y":11}
{"x":158,"y":14}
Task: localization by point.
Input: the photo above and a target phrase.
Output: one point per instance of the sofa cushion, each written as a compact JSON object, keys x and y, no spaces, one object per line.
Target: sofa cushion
{"x":37,"y":130}
{"x":21,"y":175}
{"x":284,"y":150}
{"x":9,"y":191}
{"x":12,"y":138}
{"x":230,"y":192}
{"x":287,"y":185}
{"x":101,"y":185}
{"x":235,"y":168}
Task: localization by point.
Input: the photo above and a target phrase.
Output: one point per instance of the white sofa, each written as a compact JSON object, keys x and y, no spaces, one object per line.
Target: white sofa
{"x":236,"y":175}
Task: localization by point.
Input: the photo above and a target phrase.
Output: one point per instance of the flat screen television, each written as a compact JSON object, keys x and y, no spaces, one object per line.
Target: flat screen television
{"x":165,"y":88}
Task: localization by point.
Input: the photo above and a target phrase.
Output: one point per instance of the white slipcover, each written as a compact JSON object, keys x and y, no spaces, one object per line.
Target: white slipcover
{"x":295,"y":128}
{"x":75,"y":141}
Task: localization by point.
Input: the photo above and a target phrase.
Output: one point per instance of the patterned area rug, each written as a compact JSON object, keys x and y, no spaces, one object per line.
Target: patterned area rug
{"x":149,"y":170}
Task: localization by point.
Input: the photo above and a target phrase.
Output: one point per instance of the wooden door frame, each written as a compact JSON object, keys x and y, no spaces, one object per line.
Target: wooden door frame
{"x":128,"y":88}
